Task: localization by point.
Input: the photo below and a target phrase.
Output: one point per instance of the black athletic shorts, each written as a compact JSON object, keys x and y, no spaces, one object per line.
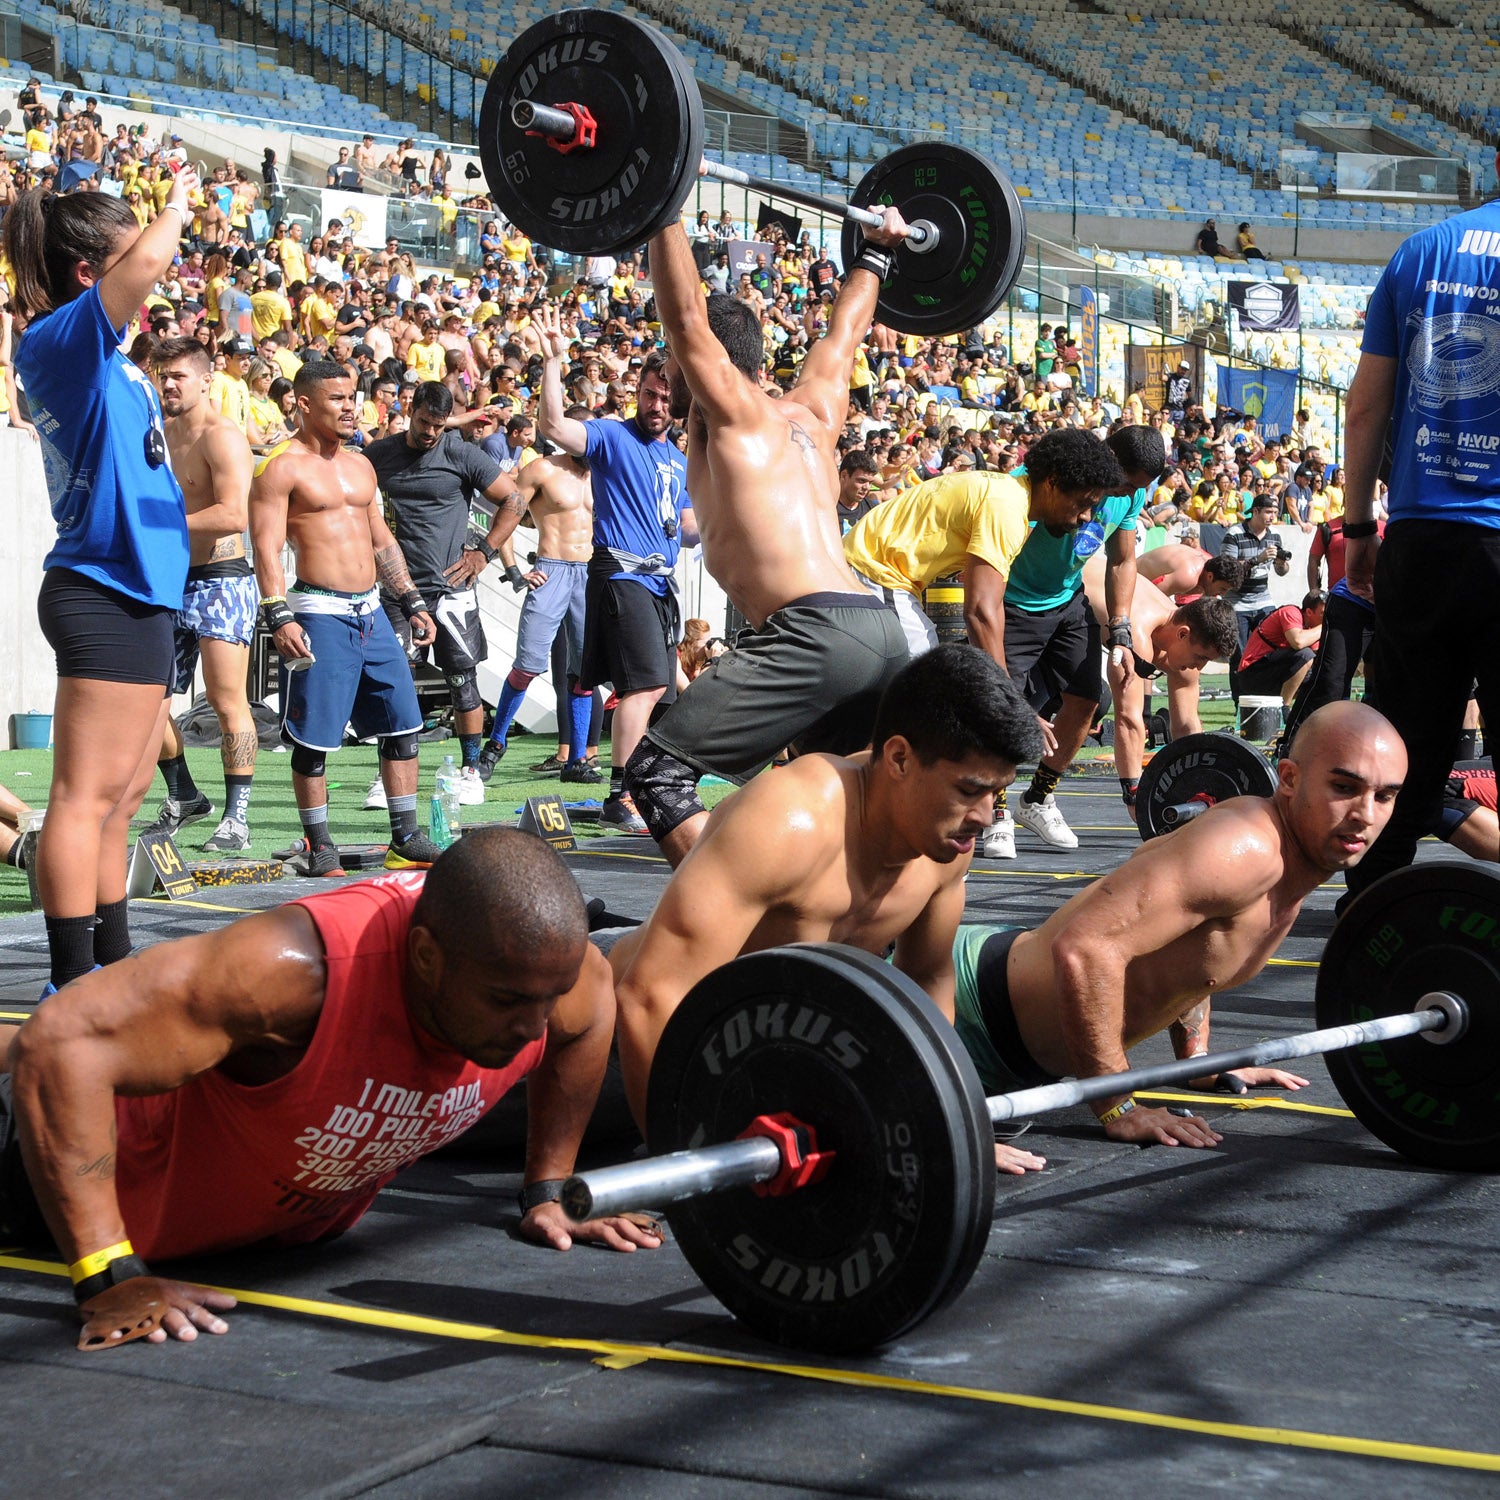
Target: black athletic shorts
{"x":1054,"y":651}
{"x":628,"y":637}
{"x":101,"y":634}
{"x":21,"y":1221}
{"x":1264,"y":678}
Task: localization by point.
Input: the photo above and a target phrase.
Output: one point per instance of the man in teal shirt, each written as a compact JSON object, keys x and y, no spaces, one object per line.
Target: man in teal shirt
{"x":1053,"y":641}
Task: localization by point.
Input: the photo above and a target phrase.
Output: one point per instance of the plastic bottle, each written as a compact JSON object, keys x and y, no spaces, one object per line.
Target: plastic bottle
{"x":444,"y":820}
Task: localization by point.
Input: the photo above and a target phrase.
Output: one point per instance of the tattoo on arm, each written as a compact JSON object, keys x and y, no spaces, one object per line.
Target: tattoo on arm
{"x":390,"y":568}
{"x":102,"y":1168}
{"x":1190,"y":1031}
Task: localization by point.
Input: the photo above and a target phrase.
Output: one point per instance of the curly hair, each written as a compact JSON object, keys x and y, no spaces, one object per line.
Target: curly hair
{"x":1075,"y":461}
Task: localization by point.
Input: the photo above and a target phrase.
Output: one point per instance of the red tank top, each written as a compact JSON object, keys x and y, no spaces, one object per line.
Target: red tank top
{"x":216,"y":1164}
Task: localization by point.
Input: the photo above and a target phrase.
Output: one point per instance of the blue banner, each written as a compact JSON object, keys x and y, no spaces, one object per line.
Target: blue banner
{"x":1088,"y":340}
{"x":1270,"y":396}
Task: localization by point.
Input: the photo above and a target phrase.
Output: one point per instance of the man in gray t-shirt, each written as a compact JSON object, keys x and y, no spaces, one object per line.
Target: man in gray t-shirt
{"x":429,"y":476}
{"x":1260,"y":549}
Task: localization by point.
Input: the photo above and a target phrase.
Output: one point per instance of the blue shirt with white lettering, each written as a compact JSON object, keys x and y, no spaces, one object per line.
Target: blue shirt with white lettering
{"x":640,"y":493}
{"x":1436,"y":310}
{"x":120,"y":518}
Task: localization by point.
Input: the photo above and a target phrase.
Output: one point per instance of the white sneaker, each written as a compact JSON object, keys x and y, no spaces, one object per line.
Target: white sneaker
{"x":375,"y":797}
{"x":470,"y":787}
{"x":998,"y":841}
{"x":1044,"y":820}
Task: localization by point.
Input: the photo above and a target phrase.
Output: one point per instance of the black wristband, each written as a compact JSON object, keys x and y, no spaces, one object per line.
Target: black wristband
{"x":1355,"y":530}
{"x":874,"y":258}
{"x":1129,"y":785}
{"x":1119,"y":634}
{"x":490,"y":553}
{"x":276,"y":613}
{"x":549,"y":1190}
{"x":412,"y":603}
{"x":113,"y":1274}
{"x":515,"y":578}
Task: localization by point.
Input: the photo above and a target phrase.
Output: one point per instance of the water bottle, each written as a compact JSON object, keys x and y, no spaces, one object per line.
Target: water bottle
{"x":444,"y":821}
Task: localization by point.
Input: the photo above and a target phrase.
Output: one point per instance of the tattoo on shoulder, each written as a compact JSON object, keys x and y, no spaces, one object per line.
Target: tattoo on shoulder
{"x":803,"y":439}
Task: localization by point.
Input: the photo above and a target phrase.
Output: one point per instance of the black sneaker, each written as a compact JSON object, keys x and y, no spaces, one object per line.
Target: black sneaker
{"x":619,"y":813}
{"x":174,"y":815}
{"x":417,"y":853}
{"x":490,"y":756}
{"x":549,"y":767}
{"x":581,"y":771}
{"x":324,"y":860}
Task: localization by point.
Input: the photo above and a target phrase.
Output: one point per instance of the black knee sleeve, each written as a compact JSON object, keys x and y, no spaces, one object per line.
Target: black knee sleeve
{"x":665,"y":789}
{"x":398,"y":747}
{"x":307,"y":762}
{"x":464,"y":688}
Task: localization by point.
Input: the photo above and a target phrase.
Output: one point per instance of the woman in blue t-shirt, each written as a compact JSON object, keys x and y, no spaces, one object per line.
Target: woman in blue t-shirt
{"x":82,"y":267}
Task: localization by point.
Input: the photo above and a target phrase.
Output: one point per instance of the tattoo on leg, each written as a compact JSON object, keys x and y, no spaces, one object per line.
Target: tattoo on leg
{"x":237,"y":750}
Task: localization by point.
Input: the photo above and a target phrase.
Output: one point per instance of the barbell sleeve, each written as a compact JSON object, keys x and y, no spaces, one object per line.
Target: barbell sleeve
{"x":1182,"y":812}
{"x":655,"y":1181}
{"x":1438,"y":1013}
{"x":556,"y":124}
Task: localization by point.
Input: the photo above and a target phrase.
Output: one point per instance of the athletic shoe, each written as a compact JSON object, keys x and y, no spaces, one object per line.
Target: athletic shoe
{"x":375,"y":798}
{"x":581,"y":771}
{"x":470,"y":787}
{"x":619,"y":813}
{"x":49,"y":989}
{"x":998,"y":841}
{"x":229,"y":837}
{"x":417,"y":853}
{"x":552,"y":765}
{"x":1045,"y":821}
{"x":321,"y":861}
{"x":174,"y":815}
{"x":24,"y":854}
{"x":490,"y":756}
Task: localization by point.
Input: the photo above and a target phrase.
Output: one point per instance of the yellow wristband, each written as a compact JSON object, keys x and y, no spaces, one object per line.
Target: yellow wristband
{"x":1122,"y":1108}
{"x":91,"y":1265}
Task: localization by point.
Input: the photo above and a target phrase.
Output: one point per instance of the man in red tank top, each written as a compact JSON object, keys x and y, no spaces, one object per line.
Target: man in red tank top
{"x":262,"y":1083}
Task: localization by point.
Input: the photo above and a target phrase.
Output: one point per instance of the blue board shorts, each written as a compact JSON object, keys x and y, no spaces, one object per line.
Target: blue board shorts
{"x":360,"y":677}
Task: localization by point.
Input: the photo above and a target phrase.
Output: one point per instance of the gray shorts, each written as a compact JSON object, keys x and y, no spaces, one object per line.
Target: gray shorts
{"x":811,"y":675}
{"x":558,"y":603}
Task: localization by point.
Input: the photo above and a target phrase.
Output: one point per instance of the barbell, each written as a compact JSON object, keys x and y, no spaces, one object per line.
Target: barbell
{"x":591,"y":136}
{"x":826,"y":1149}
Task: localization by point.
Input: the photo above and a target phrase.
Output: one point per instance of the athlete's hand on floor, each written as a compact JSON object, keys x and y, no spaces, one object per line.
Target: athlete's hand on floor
{"x":1160,"y":1127}
{"x":547,"y":1224}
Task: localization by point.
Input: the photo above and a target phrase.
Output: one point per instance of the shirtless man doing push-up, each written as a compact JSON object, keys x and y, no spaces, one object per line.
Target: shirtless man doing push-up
{"x":1187,"y":915}
{"x":763,"y":474}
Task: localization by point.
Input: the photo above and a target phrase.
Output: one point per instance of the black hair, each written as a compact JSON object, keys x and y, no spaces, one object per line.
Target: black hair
{"x":518,"y":422}
{"x":168,"y":350}
{"x":1314,"y":599}
{"x":956,"y":701}
{"x":279,"y":387}
{"x":498,"y":890}
{"x":1230,"y":570}
{"x":737,"y":328}
{"x":45,"y":236}
{"x":433,"y":397}
{"x":1140,"y":450}
{"x":1075,"y":461}
{"x":1211,"y":623}
{"x":315,"y":372}
{"x":858,"y":461}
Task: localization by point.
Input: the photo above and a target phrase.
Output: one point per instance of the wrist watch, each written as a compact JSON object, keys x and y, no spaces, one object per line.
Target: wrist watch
{"x":490,"y":553}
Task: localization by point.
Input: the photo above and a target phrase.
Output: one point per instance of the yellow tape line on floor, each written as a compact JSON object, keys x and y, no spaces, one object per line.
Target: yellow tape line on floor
{"x":619,"y":1356}
{"x":1235,"y":1101}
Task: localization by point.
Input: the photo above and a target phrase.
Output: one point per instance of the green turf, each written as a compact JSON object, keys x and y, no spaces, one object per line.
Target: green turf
{"x":273,"y":813}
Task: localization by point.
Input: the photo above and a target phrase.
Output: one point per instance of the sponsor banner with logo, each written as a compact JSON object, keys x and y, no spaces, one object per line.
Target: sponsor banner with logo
{"x":1270,"y":396}
{"x":1264,"y":305}
{"x":1088,"y":341}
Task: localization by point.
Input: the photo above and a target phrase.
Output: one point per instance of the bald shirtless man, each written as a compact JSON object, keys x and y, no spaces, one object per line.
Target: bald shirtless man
{"x":868,"y":850}
{"x":258,"y":1085}
{"x":1188,"y":915}
{"x":1178,"y":569}
{"x":763,"y":474}
{"x":213,"y":464}
{"x":344,"y":663}
{"x":1176,"y":641}
{"x":556,"y":492}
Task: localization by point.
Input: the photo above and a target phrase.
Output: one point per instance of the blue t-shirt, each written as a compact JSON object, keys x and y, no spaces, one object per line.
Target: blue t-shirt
{"x":640,"y":493}
{"x":1048,"y":571}
{"x":120,"y":520}
{"x":1436,"y":310}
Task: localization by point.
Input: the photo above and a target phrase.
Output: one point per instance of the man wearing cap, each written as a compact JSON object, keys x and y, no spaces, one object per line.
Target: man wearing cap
{"x":228,"y":393}
{"x":1179,"y":391}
